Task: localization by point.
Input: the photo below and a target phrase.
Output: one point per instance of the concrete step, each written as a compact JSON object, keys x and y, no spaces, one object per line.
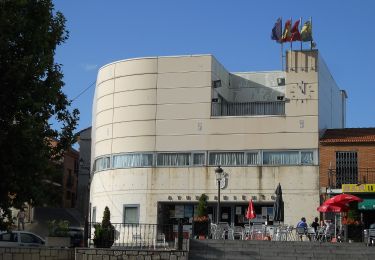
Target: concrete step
{"x":229,"y":249}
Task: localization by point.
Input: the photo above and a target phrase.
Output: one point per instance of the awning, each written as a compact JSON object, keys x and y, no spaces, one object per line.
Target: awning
{"x":367,"y":204}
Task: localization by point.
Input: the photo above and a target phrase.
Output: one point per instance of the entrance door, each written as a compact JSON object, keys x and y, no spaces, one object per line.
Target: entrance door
{"x":226,"y":214}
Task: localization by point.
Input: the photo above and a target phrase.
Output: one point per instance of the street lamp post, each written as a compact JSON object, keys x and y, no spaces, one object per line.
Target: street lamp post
{"x":219,"y":176}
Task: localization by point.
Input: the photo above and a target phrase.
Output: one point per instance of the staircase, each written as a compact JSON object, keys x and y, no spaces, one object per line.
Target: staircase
{"x":272,"y":250}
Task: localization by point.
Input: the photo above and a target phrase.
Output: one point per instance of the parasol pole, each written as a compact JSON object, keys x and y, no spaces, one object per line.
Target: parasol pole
{"x":335,"y":227}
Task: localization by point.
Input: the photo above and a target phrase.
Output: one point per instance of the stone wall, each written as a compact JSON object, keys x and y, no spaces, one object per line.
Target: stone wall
{"x":17,"y":253}
{"x":105,"y":254}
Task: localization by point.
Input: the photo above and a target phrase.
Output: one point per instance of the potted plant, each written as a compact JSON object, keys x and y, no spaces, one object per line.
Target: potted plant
{"x":353,"y":226}
{"x":58,"y":235}
{"x":104,"y":235}
{"x":201,"y":222}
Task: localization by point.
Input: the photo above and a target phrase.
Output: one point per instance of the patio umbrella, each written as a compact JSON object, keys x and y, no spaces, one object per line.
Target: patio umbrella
{"x":343,"y":199}
{"x":278,"y":206}
{"x":333,"y":208}
{"x":250,"y":213}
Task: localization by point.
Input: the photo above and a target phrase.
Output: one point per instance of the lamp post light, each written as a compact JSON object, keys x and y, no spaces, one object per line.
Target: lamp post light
{"x":219,"y":176}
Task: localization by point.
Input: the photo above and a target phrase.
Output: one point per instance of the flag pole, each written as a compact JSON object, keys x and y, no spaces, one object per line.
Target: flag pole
{"x":311,"y":42}
{"x":291,"y":43}
{"x":282,"y":47}
{"x":282,"y":58}
{"x":300,"y":25}
{"x":290,"y":28}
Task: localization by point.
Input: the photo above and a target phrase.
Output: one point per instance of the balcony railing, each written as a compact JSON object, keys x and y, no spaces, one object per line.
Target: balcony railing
{"x":146,"y":236}
{"x":361,"y":176}
{"x":248,"y":108}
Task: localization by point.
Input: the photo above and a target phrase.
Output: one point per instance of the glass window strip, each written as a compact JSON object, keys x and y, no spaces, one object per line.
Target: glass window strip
{"x":281,"y":158}
{"x":173,"y":159}
{"x":199,"y":159}
{"x":132,"y":160}
{"x":223,"y":158}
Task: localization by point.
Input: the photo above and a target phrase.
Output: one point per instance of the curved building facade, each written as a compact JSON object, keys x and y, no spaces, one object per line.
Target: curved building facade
{"x":161,"y":125}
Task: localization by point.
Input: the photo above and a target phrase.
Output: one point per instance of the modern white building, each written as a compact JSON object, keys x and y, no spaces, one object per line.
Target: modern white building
{"x":161,"y":125}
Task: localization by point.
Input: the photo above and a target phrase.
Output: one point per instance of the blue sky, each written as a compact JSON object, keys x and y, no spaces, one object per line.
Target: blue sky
{"x":237,"y":33}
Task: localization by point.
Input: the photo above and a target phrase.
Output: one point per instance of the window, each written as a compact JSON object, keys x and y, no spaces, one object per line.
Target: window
{"x":102,"y":163}
{"x":132,"y":160}
{"x":8,"y":237}
{"x":198,"y":158}
{"x":281,"y":158}
{"x":307,"y":158}
{"x":173,"y":159}
{"x":252,"y":158}
{"x":227,"y":158}
{"x":131,"y":214}
{"x":30,"y":238}
{"x":93,"y":217}
{"x":346,"y":168}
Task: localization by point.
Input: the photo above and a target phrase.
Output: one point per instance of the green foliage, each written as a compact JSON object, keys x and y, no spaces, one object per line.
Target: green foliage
{"x":30,"y":97}
{"x":202,"y":205}
{"x":353,"y":212}
{"x":58,"y":228}
{"x":104,"y":232}
{"x":106,"y":222}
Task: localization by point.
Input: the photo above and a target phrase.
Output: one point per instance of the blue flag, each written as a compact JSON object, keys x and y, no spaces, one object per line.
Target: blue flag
{"x":277,"y":31}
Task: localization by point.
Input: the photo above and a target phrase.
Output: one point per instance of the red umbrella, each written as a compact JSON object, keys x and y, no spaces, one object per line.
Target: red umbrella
{"x":250,"y":213}
{"x":333,"y":208}
{"x":342,"y":199}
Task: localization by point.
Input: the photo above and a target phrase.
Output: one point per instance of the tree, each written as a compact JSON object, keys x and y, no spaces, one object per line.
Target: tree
{"x":31,"y":97}
{"x":202,"y":206}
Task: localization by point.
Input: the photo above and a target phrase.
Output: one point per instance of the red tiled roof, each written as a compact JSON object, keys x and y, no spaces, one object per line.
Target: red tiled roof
{"x":349,"y":135}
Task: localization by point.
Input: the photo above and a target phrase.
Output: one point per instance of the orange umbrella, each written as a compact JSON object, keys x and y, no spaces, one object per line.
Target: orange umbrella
{"x":250,"y":213}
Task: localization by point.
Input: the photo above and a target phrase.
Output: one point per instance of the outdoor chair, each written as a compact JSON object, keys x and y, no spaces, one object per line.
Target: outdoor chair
{"x":213,"y":231}
{"x":320,"y":233}
{"x":222,"y":230}
{"x":301,"y":232}
{"x":257,"y":232}
{"x":160,"y":241}
{"x":329,"y":232}
{"x":281,"y":233}
{"x":238,"y":232}
{"x":247,"y":231}
{"x":311,"y":234}
{"x":371,"y":237}
{"x":230,"y":233}
{"x":290,"y":233}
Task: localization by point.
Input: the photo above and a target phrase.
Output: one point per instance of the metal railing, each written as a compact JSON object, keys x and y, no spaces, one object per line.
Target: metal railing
{"x":135,"y":236}
{"x":248,"y":108}
{"x":362,"y":176}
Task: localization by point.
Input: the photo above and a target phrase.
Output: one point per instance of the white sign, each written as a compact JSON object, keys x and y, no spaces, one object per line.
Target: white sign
{"x":223,"y":183}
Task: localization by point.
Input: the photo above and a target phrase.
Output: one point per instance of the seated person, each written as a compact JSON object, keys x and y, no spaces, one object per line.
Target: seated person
{"x":315,"y":224}
{"x":302,"y":224}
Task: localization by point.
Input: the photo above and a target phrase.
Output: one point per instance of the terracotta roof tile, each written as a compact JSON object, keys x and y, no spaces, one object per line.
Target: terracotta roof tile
{"x":349,"y":135}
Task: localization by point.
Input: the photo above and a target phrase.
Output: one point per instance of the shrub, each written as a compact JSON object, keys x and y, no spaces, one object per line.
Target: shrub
{"x":58,"y":228}
{"x":104,"y":232}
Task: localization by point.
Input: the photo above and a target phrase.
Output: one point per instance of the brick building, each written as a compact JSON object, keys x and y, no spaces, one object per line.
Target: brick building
{"x":347,"y":165}
{"x":70,"y":178}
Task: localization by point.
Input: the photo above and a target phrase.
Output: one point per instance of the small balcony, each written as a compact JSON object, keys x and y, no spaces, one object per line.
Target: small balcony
{"x":248,"y":108}
{"x":360,"y":176}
